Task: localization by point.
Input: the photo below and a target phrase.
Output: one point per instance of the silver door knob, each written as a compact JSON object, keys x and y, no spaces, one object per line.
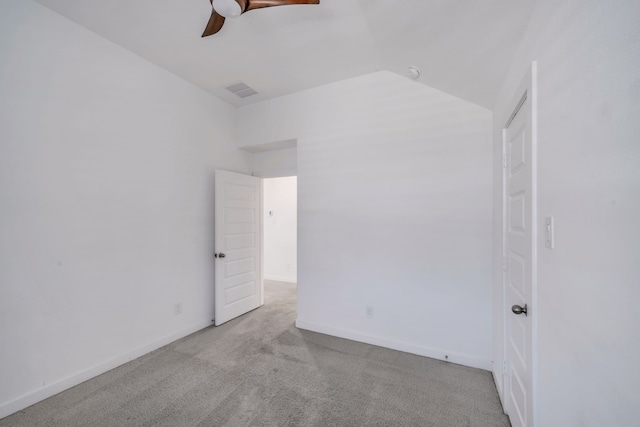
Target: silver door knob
{"x":519,"y":310}
{"x":220,"y":255}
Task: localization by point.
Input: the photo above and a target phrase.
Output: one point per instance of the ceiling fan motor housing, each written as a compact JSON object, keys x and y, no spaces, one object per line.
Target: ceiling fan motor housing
{"x":227,"y":8}
{"x":233,"y":8}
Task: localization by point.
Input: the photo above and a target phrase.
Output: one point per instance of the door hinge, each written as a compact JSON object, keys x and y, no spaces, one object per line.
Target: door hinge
{"x":504,"y":160}
{"x":505,"y":263}
{"x":505,"y":368}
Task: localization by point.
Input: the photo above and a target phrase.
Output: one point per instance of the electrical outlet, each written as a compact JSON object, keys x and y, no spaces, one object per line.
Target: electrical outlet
{"x":177,"y":309}
{"x":369,"y":311}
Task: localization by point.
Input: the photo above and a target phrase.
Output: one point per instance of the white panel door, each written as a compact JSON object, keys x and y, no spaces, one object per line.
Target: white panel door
{"x":238,"y":233}
{"x":519,"y":251}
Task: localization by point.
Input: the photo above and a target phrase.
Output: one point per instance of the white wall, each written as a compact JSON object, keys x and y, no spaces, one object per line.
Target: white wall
{"x":394,"y":205}
{"x":588,"y":55}
{"x":275,"y":163}
{"x":280,"y":230}
{"x":106,"y":203}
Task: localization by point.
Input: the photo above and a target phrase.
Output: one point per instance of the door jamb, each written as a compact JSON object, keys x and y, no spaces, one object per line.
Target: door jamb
{"x":503,"y":308}
{"x":261,"y":240}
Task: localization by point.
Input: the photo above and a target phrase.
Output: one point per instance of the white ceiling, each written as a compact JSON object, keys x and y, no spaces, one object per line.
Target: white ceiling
{"x":463,"y":47}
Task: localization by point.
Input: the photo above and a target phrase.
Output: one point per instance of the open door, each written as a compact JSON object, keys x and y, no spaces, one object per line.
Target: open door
{"x":238,"y":241}
{"x":519,"y":262}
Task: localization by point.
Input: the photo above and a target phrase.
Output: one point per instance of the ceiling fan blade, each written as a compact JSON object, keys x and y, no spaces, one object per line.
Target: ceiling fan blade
{"x":217,"y":21}
{"x":259,"y":4}
{"x":214,"y":25}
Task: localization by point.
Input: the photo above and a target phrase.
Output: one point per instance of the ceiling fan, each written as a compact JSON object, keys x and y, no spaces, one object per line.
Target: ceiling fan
{"x":233,"y":8}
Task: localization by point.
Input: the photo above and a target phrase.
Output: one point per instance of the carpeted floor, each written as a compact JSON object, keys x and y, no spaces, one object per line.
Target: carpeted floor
{"x":259,"y":370}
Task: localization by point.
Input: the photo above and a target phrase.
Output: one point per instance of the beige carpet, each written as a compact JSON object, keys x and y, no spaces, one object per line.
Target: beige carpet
{"x":260,"y":370}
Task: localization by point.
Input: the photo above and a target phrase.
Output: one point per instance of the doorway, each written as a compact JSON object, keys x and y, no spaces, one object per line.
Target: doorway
{"x":280,"y":231}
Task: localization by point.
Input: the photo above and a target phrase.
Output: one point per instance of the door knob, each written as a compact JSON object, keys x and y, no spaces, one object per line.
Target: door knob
{"x":519,"y":310}
{"x":220,"y":255}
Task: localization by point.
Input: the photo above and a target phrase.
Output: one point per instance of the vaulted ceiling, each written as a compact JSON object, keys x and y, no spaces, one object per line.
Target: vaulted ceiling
{"x":463,"y":47}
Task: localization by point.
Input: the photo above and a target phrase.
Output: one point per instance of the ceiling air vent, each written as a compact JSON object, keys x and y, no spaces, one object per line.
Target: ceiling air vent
{"x":241,"y":90}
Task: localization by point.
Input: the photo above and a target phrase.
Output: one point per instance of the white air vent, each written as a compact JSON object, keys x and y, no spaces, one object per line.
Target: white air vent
{"x":241,"y":90}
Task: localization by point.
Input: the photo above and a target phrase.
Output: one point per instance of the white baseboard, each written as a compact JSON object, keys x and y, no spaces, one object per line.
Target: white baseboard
{"x":281,"y":279}
{"x":459,"y":359}
{"x":26,"y":400}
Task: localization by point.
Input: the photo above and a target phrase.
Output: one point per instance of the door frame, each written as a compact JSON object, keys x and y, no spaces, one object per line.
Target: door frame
{"x":527,"y":92}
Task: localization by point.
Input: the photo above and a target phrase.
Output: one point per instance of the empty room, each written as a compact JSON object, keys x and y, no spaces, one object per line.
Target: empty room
{"x":325,"y":213}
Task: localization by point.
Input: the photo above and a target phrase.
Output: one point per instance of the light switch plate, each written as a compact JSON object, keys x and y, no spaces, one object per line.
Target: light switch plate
{"x":549,"y":233}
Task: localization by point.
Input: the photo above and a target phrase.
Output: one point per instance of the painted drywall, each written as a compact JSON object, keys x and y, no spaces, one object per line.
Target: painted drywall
{"x":275,"y":163}
{"x":280,"y":228}
{"x":106,"y":203}
{"x":394,"y":213}
{"x":588,"y":56}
